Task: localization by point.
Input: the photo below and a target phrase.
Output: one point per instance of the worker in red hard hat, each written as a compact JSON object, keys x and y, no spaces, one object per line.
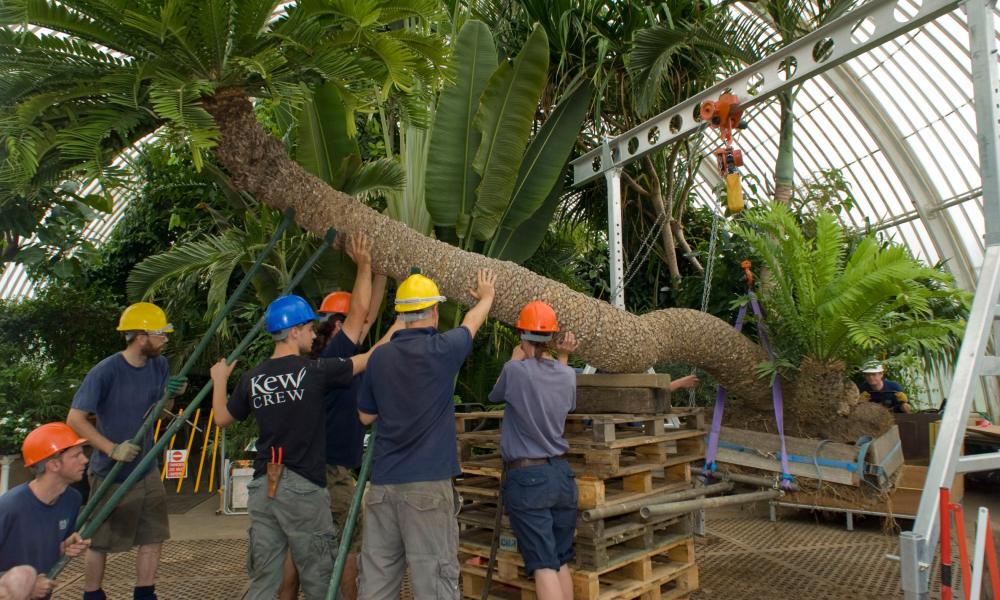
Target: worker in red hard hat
{"x":539,"y":489}
{"x":344,"y":319}
{"x":38,"y":518}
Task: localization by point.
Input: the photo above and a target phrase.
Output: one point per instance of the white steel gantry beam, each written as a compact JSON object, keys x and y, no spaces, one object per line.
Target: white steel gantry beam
{"x":850,"y":35}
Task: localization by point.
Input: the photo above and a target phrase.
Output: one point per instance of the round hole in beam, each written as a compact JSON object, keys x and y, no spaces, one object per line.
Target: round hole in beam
{"x":754,"y":83}
{"x":633,"y":145}
{"x":596,"y":165}
{"x":787,"y":68}
{"x":862,"y":31}
{"x":906,"y":9}
{"x":675,"y":123}
{"x":653,"y":135}
{"x":823,"y":50}
{"x":696,"y":113}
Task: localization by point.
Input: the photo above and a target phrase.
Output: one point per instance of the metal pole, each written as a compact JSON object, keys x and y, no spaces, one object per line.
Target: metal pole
{"x":616,"y":247}
{"x":90,"y":527}
{"x":352,"y":518}
{"x":743,"y":478}
{"x":977,"y":557}
{"x":687,"y":506}
{"x":154,"y":414}
{"x":622,"y":508}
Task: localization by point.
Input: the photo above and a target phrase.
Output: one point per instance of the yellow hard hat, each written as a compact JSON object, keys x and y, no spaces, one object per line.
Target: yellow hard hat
{"x":417,"y":293}
{"x":144,"y":316}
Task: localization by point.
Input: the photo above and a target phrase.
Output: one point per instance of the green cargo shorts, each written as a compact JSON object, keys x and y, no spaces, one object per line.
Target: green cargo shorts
{"x":297,"y":518}
{"x":415,"y":525}
{"x":341,"y":484}
{"x":140,"y":519}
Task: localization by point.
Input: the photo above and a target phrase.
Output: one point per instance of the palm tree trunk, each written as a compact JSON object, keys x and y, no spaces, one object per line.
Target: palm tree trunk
{"x":784,"y":168}
{"x":610,"y":339}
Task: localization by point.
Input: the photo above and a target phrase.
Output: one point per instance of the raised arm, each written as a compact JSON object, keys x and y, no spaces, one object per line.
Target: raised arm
{"x":374,"y":304}
{"x":485,"y":290}
{"x":220,"y":372}
{"x":359,"y":248}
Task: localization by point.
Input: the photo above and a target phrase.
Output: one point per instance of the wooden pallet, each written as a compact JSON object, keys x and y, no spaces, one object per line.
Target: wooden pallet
{"x":607,"y":430}
{"x":595,"y":489}
{"x":665,"y":572}
{"x":596,"y":542}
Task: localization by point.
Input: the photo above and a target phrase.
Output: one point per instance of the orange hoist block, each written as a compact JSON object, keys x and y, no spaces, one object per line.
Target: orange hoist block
{"x":726,"y":115}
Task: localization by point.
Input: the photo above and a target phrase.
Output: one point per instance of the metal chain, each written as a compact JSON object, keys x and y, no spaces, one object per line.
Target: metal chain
{"x":645,"y":247}
{"x":706,"y":289}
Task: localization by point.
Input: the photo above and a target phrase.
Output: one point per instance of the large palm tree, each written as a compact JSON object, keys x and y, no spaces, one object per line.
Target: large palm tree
{"x":121,"y":69}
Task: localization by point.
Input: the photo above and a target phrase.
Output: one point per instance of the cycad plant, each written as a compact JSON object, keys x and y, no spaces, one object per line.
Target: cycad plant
{"x":835,"y":300}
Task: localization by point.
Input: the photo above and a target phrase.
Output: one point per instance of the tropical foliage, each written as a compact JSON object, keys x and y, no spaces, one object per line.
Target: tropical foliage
{"x":834,"y":301}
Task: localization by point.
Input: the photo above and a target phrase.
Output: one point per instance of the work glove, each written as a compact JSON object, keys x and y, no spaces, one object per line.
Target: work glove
{"x":125,"y":452}
{"x":176,"y":385}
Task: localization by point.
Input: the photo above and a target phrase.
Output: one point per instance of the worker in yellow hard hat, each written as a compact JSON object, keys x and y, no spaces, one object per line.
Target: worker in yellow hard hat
{"x":37,"y":518}
{"x":409,"y":387}
{"x":120,"y":391}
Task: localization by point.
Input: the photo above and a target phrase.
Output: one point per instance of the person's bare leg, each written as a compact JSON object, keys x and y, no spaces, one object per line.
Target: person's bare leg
{"x":18,"y":583}
{"x":547,"y":585}
{"x":94,"y":570}
{"x":147,"y":561}
{"x":289,"y":579}
{"x":566,"y":582}
{"x":349,"y":580}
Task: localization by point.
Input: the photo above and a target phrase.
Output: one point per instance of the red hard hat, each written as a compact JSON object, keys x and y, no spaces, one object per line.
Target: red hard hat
{"x":47,"y":441}
{"x":539,"y":317}
{"x":336,"y":302}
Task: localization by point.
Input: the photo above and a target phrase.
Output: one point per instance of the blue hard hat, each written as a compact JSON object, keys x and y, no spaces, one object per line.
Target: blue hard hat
{"x":287,"y":311}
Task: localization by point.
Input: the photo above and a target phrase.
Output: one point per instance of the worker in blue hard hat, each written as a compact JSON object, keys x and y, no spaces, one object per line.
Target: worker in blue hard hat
{"x":343,"y":324}
{"x":289,"y":504}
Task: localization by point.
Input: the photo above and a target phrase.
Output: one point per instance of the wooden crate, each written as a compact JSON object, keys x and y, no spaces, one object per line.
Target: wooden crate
{"x":814,"y":459}
{"x":665,"y":572}
{"x":903,"y":501}
{"x":598,"y":444}
{"x":636,"y":393}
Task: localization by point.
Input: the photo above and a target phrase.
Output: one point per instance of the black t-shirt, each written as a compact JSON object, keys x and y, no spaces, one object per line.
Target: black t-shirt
{"x":287,"y":397}
{"x":344,"y":432}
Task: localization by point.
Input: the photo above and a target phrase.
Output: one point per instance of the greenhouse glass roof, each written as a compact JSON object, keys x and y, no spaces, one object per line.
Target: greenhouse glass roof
{"x":897,"y":121}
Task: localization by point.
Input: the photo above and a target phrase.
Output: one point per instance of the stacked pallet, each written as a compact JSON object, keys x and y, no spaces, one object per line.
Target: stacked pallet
{"x":617,"y":458}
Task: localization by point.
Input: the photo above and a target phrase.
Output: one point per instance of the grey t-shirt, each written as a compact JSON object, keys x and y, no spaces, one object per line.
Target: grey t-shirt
{"x":539,"y":394}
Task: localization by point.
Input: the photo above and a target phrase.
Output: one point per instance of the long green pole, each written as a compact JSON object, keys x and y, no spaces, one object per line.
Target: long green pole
{"x":352,"y":519}
{"x":88,"y":530}
{"x":154,"y":414}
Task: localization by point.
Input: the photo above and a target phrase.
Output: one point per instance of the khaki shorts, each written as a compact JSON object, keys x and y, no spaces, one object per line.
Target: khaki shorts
{"x":140,"y":519}
{"x":341,"y":484}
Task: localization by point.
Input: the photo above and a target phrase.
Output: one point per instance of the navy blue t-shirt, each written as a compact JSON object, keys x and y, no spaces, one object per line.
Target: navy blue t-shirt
{"x":345,"y":435}
{"x":890,"y":396}
{"x":410,"y":385}
{"x":31,"y":531}
{"x":287,"y":396}
{"x":121,"y":395}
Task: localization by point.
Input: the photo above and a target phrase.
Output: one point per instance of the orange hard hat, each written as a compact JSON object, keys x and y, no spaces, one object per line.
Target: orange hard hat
{"x":537,"y":317}
{"x":47,"y":441}
{"x":336,"y":302}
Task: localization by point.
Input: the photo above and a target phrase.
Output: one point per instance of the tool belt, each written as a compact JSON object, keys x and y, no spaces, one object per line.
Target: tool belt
{"x":528,"y":462}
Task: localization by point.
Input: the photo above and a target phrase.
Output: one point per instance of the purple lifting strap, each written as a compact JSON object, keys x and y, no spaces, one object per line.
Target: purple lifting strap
{"x":776,"y":395}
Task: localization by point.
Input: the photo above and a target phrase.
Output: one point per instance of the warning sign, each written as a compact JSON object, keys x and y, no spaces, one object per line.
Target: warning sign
{"x":176,"y":462}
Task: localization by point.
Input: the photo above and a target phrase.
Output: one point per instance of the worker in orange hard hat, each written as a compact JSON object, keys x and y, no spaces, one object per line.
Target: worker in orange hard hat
{"x":37,"y":519}
{"x":343,"y":324}
{"x":120,"y":391}
{"x":539,"y":490}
